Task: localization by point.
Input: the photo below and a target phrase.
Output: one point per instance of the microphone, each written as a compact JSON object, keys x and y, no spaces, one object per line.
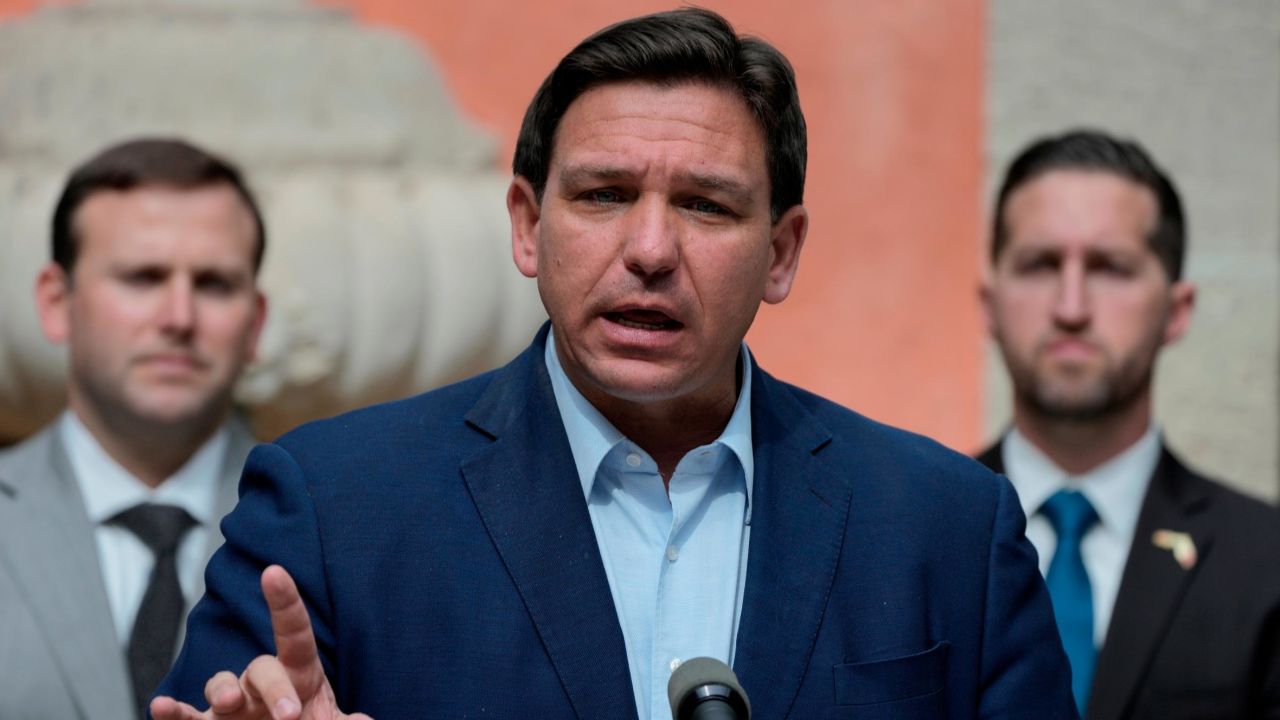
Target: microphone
{"x":706,"y":689}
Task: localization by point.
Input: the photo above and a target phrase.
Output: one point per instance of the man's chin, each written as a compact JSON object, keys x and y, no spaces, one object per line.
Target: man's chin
{"x":638,"y":382}
{"x":640,"y":392}
{"x":1078,"y":404}
{"x":178,"y":411}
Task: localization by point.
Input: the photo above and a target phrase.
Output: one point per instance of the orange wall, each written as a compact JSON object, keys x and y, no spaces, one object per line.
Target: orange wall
{"x":883,"y":318}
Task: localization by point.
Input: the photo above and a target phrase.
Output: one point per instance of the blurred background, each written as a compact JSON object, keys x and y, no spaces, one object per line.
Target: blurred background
{"x":378,"y":134}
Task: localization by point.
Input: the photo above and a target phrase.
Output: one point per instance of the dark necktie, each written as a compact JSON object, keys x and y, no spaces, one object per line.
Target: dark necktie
{"x":155,"y":629}
{"x":1071,"y":516}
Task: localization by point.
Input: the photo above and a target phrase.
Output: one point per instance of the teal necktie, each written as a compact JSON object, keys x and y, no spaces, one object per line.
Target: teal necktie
{"x":1071,"y":516}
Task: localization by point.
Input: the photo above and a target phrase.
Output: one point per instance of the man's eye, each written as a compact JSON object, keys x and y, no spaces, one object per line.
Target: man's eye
{"x":1037,"y":265}
{"x":1111,"y":268}
{"x":603,"y":197}
{"x":215,"y":285}
{"x":707,"y":207}
{"x":143,"y":278}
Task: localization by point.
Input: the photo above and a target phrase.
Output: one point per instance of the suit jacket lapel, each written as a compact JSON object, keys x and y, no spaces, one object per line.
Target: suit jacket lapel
{"x":800,"y":511}
{"x":238,"y":447}
{"x":43,"y":514}
{"x":1151,"y":588}
{"x":526,"y":489}
{"x":993,"y":457}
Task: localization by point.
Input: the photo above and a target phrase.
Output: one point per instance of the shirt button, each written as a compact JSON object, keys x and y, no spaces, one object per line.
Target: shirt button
{"x":675,"y":664}
{"x":633,"y":459}
{"x":672,"y":555}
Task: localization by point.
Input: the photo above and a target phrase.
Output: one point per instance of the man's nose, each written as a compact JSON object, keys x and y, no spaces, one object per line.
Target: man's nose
{"x":178,"y":307}
{"x":1071,"y":308}
{"x":651,"y":244}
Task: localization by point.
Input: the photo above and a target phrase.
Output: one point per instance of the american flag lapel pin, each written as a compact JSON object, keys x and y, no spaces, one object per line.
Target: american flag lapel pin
{"x":1178,"y":543}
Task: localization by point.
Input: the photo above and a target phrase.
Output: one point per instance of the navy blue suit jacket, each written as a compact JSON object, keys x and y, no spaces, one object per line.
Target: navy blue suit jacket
{"x":443,"y":548}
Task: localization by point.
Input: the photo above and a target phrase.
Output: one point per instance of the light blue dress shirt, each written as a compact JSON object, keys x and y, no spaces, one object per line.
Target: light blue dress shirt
{"x":675,"y":563}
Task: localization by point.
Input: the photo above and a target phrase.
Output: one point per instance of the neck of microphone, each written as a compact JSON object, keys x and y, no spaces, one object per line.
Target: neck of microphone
{"x":706,"y":689}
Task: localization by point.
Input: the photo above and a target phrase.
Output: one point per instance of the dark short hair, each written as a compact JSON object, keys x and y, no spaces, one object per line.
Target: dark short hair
{"x":1096,"y":150}
{"x":145,"y":162}
{"x":686,"y":45}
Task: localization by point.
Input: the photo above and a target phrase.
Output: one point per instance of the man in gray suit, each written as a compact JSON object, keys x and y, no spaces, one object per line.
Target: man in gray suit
{"x":108,"y":516}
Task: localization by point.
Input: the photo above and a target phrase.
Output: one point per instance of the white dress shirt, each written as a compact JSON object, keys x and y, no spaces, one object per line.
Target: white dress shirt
{"x":1115,"y":489}
{"x":107,"y":489}
{"x":676,"y":560}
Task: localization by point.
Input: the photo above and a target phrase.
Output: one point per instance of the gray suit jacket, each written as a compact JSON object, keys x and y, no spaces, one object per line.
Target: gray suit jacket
{"x":59,"y":655}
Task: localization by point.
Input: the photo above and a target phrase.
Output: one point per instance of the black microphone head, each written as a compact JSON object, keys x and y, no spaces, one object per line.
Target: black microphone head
{"x":705,"y":679}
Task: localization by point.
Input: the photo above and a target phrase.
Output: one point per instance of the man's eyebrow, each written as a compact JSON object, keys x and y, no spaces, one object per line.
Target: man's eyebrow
{"x":1035,"y":248}
{"x":123,"y":267}
{"x":582,"y":174}
{"x":579,"y":174}
{"x":739,"y":191}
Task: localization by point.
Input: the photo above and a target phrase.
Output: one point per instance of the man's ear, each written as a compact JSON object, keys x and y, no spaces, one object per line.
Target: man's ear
{"x":53,"y":300}
{"x":259,"y":320}
{"x":986,"y":300}
{"x":523,"y":208}
{"x":1182,"y":301}
{"x":787,"y":241}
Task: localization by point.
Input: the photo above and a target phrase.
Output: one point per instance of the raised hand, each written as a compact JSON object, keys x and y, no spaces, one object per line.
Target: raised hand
{"x":290,"y":685}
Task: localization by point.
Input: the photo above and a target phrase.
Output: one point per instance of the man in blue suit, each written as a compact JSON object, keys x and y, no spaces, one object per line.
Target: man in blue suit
{"x":550,"y":540}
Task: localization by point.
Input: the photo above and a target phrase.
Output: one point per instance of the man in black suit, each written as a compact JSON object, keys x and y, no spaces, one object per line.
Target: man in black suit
{"x":1166,"y":585}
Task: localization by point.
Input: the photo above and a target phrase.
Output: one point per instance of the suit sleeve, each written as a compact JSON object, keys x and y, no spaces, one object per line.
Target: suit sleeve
{"x":1024,"y":669}
{"x":1268,"y":667}
{"x":273,"y":523}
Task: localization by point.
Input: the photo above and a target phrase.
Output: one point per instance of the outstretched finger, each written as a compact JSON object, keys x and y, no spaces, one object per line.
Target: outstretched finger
{"x":291,"y":625}
{"x":166,"y":708}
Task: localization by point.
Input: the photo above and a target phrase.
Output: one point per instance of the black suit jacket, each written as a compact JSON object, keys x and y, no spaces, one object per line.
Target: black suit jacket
{"x":1197,"y":643}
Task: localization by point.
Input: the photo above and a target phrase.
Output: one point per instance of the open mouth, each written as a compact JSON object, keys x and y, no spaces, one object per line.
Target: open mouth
{"x":651,"y":320}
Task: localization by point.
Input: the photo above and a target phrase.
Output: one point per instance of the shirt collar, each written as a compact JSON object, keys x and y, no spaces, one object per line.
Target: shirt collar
{"x":108,"y":488}
{"x":591,"y":436}
{"x":1115,"y":488}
